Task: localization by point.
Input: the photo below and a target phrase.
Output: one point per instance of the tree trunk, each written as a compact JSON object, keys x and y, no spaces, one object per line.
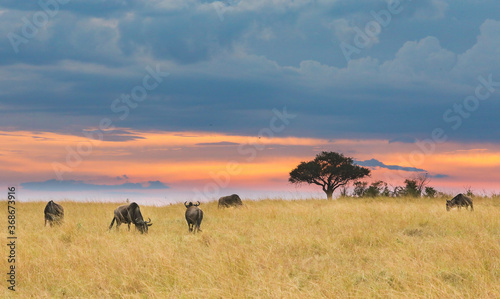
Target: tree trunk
{"x":329,"y":194}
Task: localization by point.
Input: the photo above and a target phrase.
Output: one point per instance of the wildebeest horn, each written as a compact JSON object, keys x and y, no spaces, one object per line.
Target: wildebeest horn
{"x":185,"y":204}
{"x":198,"y":203}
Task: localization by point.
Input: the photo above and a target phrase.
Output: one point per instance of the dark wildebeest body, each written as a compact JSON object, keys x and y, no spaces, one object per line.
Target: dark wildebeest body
{"x":54,"y":213}
{"x":229,"y":201}
{"x":130,"y":214}
{"x":194,"y":215}
{"x":460,"y":201}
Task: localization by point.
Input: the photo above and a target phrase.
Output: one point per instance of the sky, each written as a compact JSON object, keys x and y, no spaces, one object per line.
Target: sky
{"x":165,"y":101}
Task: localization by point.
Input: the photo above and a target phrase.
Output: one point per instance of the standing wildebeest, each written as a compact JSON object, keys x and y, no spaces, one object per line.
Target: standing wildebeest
{"x":130,"y":214}
{"x":228,"y":201}
{"x":54,"y":213}
{"x":194,"y":215}
{"x":460,"y":201}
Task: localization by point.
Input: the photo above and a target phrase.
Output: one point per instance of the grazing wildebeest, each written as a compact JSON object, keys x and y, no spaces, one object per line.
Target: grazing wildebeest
{"x":460,"y":201}
{"x":130,"y":214}
{"x":194,"y":215}
{"x":229,"y":201}
{"x":54,"y":213}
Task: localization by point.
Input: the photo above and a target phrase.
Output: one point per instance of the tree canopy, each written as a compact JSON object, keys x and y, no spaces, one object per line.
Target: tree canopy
{"x":330,"y":170}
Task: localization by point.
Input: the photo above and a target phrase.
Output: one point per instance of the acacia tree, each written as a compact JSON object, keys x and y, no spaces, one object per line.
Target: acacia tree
{"x":329,"y":170}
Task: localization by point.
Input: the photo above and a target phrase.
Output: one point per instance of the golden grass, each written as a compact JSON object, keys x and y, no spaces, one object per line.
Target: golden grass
{"x":347,"y":248}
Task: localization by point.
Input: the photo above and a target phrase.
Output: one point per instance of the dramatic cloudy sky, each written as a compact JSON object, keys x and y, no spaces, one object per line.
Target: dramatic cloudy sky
{"x":170,"y":98}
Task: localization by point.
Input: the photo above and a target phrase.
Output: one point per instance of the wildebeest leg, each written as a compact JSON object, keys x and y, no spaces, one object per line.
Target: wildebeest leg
{"x":190,"y":226}
{"x":128,"y":226}
{"x":200,"y":218}
{"x":198,"y":224}
{"x":48,"y":218}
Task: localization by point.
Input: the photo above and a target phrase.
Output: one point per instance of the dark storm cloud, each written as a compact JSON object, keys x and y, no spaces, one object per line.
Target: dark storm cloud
{"x":227,"y":75}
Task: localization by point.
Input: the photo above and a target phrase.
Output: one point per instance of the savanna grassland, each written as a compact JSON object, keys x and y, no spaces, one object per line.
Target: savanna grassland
{"x":357,"y":248}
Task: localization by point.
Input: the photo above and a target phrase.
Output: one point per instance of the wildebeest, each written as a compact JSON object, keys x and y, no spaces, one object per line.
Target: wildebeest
{"x":54,"y":213}
{"x":459,"y":201}
{"x":194,"y":215}
{"x":130,"y":214}
{"x":229,"y":201}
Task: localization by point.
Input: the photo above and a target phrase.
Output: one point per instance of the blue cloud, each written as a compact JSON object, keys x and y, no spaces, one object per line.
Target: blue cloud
{"x":377,"y":163}
{"x":222,"y":143}
{"x":440,"y":176}
{"x":403,"y":139}
{"x":73,"y":185}
{"x":373,"y":163}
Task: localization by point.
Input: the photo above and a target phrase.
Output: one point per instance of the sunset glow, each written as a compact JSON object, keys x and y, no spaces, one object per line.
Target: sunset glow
{"x":191,"y":160}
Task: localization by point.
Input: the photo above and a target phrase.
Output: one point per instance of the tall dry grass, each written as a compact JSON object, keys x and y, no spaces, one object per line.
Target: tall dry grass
{"x":271,"y":248}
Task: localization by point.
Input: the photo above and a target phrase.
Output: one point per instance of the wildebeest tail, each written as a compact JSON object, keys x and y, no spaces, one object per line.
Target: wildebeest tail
{"x":199,"y":217}
{"x":112,"y":222}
